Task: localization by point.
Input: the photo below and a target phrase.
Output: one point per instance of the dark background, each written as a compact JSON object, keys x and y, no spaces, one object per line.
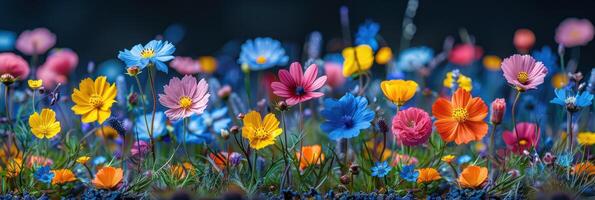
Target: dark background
{"x":97,"y":30}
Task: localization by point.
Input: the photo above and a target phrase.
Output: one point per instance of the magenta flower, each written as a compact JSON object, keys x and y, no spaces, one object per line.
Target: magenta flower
{"x":334,"y":73}
{"x":297,"y":87}
{"x":62,"y":61}
{"x":50,"y":78}
{"x":185,"y":65}
{"x":184,"y":97}
{"x":574,"y":32}
{"x":523,"y":72}
{"x":36,"y":41}
{"x":13,"y":65}
{"x":528,"y":136}
{"x":412,"y":126}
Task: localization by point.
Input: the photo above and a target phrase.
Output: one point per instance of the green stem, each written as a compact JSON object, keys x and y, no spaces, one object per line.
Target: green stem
{"x":516,"y":99}
{"x":153,"y":92}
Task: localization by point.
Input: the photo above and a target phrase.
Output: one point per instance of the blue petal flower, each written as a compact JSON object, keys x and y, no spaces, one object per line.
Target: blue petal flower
{"x":262,"y":53}
{"x":159,"y":126}
{"x":381,"y":169}
{"x":414,"y":58}
{"x":202,"y":128}
{"x":155,"y":52}
{"x":44,"y":174}
{"x":409,"y":173}
{"x":346,"y":117}
{"x":366,"y":34}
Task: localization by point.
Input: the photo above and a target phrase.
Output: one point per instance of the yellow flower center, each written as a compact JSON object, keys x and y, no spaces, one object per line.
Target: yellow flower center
{"x":147,"y":53}
{"x":96,"y":101}
{"x":523,"y":142}
{"x":185,"y":102}
{"x":261,"y":60}
{"x":523,"y":77}
{"x":460,"y":114}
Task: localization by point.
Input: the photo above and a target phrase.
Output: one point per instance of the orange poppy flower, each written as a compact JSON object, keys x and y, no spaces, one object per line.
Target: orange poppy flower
{"x":584,"y":168}
{"x":180,"y":171}
{"x":108,"y":178}
{"x":428,"y":175}
{"x":473,"y":176}
{"x":221,"y":159}
{"x":460,"y":119}
{"x":62,"y":176}
{"x":310,"y":155}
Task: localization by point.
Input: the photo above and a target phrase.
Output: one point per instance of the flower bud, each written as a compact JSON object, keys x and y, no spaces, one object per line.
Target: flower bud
{"x":498,"y":109}
{"x":241,"y":116}
{"x":282,"y":106}
{"x":224,"y":134}
{"x":234,"y":130}
{"x":133,"y":71}
{"x":224,"y":92}
{"x":354,"y":169}
{"x":7,"y":79}
{"x":345,"y":179}
{"x":382,"y":126}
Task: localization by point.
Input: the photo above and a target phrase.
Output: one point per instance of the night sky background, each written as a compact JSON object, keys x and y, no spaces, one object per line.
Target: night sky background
{"x":97,"y":30}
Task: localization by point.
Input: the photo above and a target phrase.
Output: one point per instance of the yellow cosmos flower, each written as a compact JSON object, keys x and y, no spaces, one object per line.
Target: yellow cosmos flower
{"x":62,"y":176}
{"x":83,"y":159}
{"x":559,"y":80}
{"x":260,"y":133}
{"x":93,"y":100}
{"x":464,"y":82}
{"x":428,"y":175}
{"x":586,"y":138}
{"x":357,"y":60}
{"x":208,"y":64}
{"x":448,"y":158}
{"x":384,"y":55}
{"x":35,"y":84}
{"x":398,"y":91}
{"x":492,"y":62}
{"x":44,"y":125}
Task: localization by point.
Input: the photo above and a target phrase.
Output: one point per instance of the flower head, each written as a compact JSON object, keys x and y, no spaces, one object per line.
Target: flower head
{"x":62,"y":62}
{"x":62,"y":176}
{"x":93,"y":99}
{"x":586,"y":138}
{"x":224,"y":159}
{"x":200,"y":129}
{"x":462,"y":81}
{"x":35,"y":84}
{"x":50,"y":78}
{"x":384,"y":55}
{"x":447,"y":158}
{"x":398,"y":91}
{"x":155,"y":52}
{"x":310,"y":155}
{"x":36,"y":41}
{"x":523,"y":137}
{"x":574,"y":32}
{"x":498,"y":108}
{"x":473,"y":176}
{"x":409,"y":173}
{"x":108,"y":178}
{"x":44,"y":174}
{"x":523,"y":72}
{"x":334,"y":74}
{"x":14,"y":66}
{"x":584,"y":168}
{"x":261,"y":133}
{"x":492,"y":62}
{"x":208,"y":64}
{"x":460,"y":119}
{"x":427,"y":175}
{"x":180,"y":171}
{"x":572,"y":102}
{"x":464,"y":54}
{"x":159,"y":126}
{"x":403,"y":159}
{"x":44,"y":125}
{"x":262,"y":53}
{"x":346,"y":117}
{"x":185,"y":65}
{"x":412,"y":126}
{"x":357,"y":60}
{"x":184,"y":97}
{"x":523,"y":39}
{"x":381,"y":169}
{"x":14,"y":167}
{"x":296,"y":86}
{"x":414,"y":58}
{"x":39,"y":161}
{"x":83,"y":160}
{"x":366,"y":34}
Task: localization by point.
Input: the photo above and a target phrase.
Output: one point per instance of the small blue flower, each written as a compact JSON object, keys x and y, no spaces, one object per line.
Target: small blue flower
{"x":565,"y":98}
{"x":463,"y":159}
{"x":262,"y":53}
{"x":564,"y":160}
{"x":159,"y":129}
{"x":346,"y":117}
{"x":202,"y":127}
{"x":414,"y":58}
{"x":366,"y":34}
{"x":548,"y":57}
{"x":44,"y":174}
{"x":99,"y":160}
{"x":155,"y":52}
{"x":409,"y":173}
{"x":381,"y":169}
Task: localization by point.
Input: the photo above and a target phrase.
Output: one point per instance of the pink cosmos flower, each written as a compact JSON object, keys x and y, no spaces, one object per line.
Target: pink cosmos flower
{"x":184,"y":97}
{"x":464,"y":54}
{"x":39,"y":161}
{"x":50,"y":78}
{"x":14,"y":65}
{"x":62,"y":61}
{"x":185,"y":65}
{"x":528,"y":136}
{"x":297,"y":86}
{"x":498,"y":109}
{"x":36,"y":41}
{"x":574,"y":32}
{"x":334,"y":74}
{"x":523,"y":71}
{"x":412,"y":126}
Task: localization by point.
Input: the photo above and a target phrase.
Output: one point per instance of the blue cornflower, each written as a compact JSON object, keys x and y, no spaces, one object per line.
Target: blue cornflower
{"x":409,"y":173}
{"x":262,"y":53}
{"x":366,"y":34}
{"x":159,"y":129}
{"x":201,"y":127}
{"x":155,"y":52}
{"x":381,"y":169}
{"x":346,"y":117}
{"x":414,"y":58}
{"x":564,"y":160}
{"x":548,"y":57}
{"x":44,"y":174}
{"x":564,"y":97}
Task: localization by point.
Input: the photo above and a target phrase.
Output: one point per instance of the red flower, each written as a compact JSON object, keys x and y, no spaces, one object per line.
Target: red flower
{"x":14,"y":65}
{"x":464,"y":54}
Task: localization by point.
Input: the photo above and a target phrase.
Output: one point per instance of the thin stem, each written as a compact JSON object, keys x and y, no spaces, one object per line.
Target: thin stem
{"x":569,"y":130}
{"x":153,"y":92}
{"x":285,"y":154}
{"x":516,"y":99}
{"x":185,"y":130}
{"x":492,"y":147}
{"x":33,"y":100}
{"x":247,"y":85}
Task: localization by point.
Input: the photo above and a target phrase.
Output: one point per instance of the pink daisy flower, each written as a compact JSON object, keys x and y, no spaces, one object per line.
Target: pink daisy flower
{"x":523,"y":72}
{"x":185,"y":65}
{"x":574,"y":32}
{"x":528,"y":136}
{"x":14,"y":65}
{"x":412,"y":126}
{"x":36,"y":41}
{"x":296,"y":86}
{"x":184,"y":97}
